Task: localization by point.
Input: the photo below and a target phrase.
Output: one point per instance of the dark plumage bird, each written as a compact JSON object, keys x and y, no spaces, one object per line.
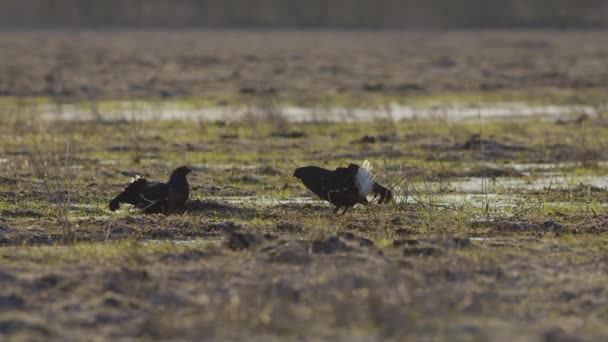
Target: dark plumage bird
{"x":345,"y":186}
{"x":156,"y":197}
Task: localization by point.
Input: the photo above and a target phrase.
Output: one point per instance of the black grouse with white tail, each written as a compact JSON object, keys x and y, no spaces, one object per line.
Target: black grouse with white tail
{"x":156,"y":197}
{"x":345,"y":186}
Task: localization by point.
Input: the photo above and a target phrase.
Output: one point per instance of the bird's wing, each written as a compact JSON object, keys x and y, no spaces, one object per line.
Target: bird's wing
{"x":317,"y":180}
{"x":346,"y":196}
{"x":155,"y":191}
{"x":155,"y":207}
{"x":131,"y":193}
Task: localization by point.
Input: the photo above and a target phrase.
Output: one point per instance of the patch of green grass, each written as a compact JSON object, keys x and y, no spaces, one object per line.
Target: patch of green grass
{"x":425,"y":161}
{"x":126,"y":252}
{"x":541,"y":96}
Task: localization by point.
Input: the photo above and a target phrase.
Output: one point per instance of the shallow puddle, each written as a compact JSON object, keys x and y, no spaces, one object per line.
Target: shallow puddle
{"x":178,"y":241}
{"x":449,"y":112}
{"x":267,"y":201}
{"x":549,"y":181}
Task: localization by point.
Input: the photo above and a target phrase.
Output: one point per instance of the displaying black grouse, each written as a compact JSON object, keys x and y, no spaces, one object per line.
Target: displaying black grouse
{"x":156,"y":197}
{"x":345,"y":186}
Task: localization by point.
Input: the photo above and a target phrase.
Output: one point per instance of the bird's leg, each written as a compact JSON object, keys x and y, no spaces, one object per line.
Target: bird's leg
{"x":345,"y":210}
{"x":170,"y":208}
{"x":147,"y":200}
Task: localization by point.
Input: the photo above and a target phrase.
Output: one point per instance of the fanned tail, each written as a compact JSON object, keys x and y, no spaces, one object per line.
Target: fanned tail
{"x":130,"y":194}
{"x":364,"y":181}
{"x":115,"y":203}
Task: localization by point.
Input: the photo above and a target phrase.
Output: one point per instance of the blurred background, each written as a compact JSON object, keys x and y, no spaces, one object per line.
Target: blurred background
{"x":414,"y":14}
{"x":302,"y":51}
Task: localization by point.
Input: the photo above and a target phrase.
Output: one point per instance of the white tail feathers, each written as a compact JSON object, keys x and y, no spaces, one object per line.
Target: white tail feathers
{"x":134,"y":179}
{"x":364,"y":181}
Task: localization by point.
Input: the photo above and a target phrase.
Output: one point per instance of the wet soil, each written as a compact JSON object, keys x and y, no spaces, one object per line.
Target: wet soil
{"x":262,"y":287}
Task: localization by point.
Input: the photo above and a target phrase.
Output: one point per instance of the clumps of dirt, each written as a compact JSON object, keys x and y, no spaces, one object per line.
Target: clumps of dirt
{"x":174,"y":228}
{"x":586,"y":154}
{"x":160,"y":233}
{"x":361,"y":241}
{"x":289,"y":135}
{"x":221,"y":227}
{"x":558,"y":334}
{"x":149,"y":227}
{"x":4,"y":227}
{"x":405,"y":242}
{"x":247,"y":90}
{"x":423,"y":251}
{"x":431,"y":247}
{"x":284,"y":210}
{"x":582,"y":223}
{"x":22,"y":213}
{"x":213,"y":208}
{"x":11,"y":302}
{"x":481,"y":148}
{"x":4,"y":239}
{"x":492,"y":149}
{"x":284,"y":248}
{"x":209,"y":190}
{"x":404,"y":88}
{"x":576,"y":121}
{"x":492,"y":172}
{"x":190,"y":255}
{"x":248,"y":179}
{"x":475,"y":143}
{"x":288,"y":253}
{"x":477,"y":171}
{"x":516,"y":226}
{"x":9,"y":196}
{"x":242,"y":240}
{"x":8,"y":180}
{"x":290,"y":227}
{"x":370,"y":139}
{"x":268,"y":171}
{"x":373,"y":87}
{"x":132,"y":148}
{"x":30,"y":236}
{"x":120,"y":231}
{"x":229,"y":136}
{"x":405,"y":231}
{"x":15,"y":324}
{"x":330,"y":246}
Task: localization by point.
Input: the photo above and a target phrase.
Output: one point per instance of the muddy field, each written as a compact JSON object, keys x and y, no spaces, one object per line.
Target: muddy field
{"x":297,"y":66}
{"x":498,"y":230}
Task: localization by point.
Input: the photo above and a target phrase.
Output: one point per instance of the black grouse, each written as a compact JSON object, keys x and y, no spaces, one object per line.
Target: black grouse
{"x":156,"y":197}
{"x":345,"y":186}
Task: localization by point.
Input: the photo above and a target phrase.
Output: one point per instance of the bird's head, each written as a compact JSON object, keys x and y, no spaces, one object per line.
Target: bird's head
{"x":353,"y":168}
{"x":184,"y":170}
{"x":298,"y":173}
